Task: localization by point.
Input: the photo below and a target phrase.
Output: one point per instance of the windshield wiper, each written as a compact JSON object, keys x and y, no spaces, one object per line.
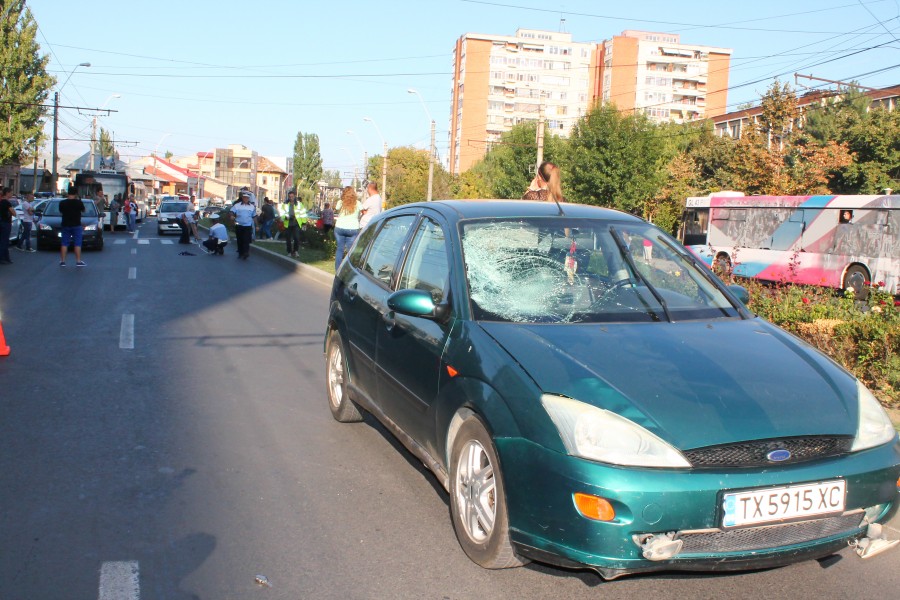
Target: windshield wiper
{"x":707,"y":276}
{"x":623,"y":250}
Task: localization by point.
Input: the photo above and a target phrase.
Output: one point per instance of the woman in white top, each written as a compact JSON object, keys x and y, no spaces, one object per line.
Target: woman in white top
{"x":346,"y":224}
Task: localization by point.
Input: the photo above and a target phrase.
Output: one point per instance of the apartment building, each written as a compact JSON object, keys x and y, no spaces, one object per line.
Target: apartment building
{"x":500,"y":81}
{"x":656,"y":74}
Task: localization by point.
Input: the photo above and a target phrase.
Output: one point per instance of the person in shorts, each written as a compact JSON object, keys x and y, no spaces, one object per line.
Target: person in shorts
{"x":71,"y":210}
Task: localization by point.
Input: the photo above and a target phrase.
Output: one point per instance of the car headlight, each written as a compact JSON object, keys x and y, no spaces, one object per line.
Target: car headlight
{"x":875,"y":428}
{"x":90,"y":228}
{"x":45,"y":227}
{"x":597,"y":434}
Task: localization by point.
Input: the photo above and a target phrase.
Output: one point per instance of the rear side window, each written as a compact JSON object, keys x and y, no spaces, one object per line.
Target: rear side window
{"x":387,"y":247}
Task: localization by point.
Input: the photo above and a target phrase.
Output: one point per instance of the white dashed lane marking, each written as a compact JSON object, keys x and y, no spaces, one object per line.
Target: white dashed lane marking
{"x":166,"y":242}
{"x":126,"y":332}
{"x":143,"y":242}
{"x":134,"y":250}
{"x":132,"y":273}
{"x":119,"y":242}
{"x":120,"y":581}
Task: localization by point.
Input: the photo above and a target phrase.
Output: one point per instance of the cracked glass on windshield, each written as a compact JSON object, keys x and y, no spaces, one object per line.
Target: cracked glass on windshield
{"x":563,"y":270}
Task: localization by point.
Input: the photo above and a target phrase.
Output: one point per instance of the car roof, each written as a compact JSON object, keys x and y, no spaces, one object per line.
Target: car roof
{"x":476,"y":209}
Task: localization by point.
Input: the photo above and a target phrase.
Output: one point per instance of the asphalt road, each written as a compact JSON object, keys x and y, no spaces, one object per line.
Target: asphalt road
{"x":206,"y":455}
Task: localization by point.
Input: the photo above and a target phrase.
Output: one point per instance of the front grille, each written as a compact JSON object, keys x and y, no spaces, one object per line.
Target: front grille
{"x":754,"y":454}
{"x":716,"y":541}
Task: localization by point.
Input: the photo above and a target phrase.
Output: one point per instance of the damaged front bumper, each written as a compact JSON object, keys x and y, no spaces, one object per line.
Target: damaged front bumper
{"x":667,"y":519}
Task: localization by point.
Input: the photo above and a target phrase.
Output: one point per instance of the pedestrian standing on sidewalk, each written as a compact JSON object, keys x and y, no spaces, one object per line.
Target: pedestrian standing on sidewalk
{"x":27,"y":222}
{"x":7,"y":212}
{"x":294,"y":217}
{"x":114,"y":207}
{"x":371,"y":206}
{"x":346,"y":224}
{"x":267,"y":217}
{"x":243,"y":214}
{"x":130,"y":210}
{"x":71,"y":210}
{"x":327,"y":218}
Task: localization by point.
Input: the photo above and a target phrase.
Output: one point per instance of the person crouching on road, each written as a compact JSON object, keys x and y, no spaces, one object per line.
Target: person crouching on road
{"x":185,"y":220}
{"x":218,"y":238}
{"x":244,"y":215}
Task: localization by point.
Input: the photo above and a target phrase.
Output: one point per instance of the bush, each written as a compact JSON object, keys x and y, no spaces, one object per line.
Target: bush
{"x":861,"y":335}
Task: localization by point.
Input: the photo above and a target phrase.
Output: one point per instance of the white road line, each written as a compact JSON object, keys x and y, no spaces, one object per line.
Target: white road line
{"x":120,"y":581}
{"x":166,"y":242}
{"x":136,"y":234}
{"x":144,"y":242}
{"x":134,"y":250}
{"x":132,"y":273}
{"x":119,"y":242}
{"x":126,"y":332}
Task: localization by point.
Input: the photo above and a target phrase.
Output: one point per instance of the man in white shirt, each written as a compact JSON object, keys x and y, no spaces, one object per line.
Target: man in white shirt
{"x":371,"y":206}
{"x":244,"y":214}
{"x":218,"y":238}
{"x":27,"y":222}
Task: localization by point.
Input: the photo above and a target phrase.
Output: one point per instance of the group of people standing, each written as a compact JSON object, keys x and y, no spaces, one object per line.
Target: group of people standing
{"x":351,"y":217}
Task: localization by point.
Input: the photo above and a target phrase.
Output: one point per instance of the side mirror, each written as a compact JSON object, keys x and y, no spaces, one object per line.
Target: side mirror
{"x":741,"y":293}
{"x":417,"y":303}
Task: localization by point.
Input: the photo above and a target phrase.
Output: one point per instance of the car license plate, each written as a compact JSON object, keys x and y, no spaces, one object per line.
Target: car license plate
{"x":771,"y":505}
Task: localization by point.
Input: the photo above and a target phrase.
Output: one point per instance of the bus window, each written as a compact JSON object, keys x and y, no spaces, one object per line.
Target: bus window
{"x":696,"y":227}
{"x":845,"y":216}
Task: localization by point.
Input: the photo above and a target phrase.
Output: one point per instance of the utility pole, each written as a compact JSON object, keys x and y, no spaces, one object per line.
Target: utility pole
{"x":53,"y":175}
{"x":34,"y":184}
{"x":93,"y":139}
{"x":540,"y":136}
{"x":431,"y":164}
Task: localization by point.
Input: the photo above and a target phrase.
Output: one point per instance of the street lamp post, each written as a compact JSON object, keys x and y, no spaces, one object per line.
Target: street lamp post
{"x":155,"y":170}
{"x":384,"y":160}
{"x":54,"y":176}
{"x":365,"y":167}
{"x":431,"y":150}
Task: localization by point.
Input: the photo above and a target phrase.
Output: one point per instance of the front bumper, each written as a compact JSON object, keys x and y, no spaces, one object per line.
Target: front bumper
{"x":89,"y":239}
{"x":167,"y":224}
{"x":545,"y":524}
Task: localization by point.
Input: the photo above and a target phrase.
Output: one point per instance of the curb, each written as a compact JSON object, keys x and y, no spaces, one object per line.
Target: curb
{"x":299,"y":268}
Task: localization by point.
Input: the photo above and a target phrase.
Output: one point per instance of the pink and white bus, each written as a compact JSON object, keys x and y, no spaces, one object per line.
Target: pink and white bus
{"x":832,"y":241}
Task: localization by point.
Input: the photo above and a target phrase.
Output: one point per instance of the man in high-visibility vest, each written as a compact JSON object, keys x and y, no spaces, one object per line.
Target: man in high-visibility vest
{"x":294,"y":217}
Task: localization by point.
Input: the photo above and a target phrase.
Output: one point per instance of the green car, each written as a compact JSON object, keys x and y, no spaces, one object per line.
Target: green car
{"x":590,"y":394}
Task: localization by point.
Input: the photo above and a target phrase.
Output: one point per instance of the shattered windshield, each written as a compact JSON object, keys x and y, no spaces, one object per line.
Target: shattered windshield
{"x":563,"y":270}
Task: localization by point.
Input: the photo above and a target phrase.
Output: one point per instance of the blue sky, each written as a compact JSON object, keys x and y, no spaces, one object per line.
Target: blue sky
{"x":214,"y":72}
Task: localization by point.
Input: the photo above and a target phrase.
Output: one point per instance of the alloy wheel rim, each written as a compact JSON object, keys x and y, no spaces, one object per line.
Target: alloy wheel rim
{"x":336,"y":377}
{"x":476,"y":491}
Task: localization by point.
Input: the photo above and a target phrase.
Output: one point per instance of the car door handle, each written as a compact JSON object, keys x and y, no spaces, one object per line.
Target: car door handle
{"x":352,"y":292}
{"x":389,"y":320}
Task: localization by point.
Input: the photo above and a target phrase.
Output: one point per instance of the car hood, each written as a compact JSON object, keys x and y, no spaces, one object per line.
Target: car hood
{"x":57,"y":221}
{"x":692,"y":384}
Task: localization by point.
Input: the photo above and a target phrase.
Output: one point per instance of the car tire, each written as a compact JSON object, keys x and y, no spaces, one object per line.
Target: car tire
{"x":479,"y":516}
{"x":337,"y":379}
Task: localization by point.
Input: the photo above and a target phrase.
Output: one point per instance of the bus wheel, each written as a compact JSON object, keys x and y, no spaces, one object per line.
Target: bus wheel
{"x":722,"y":265}
{"x":855,"y":278}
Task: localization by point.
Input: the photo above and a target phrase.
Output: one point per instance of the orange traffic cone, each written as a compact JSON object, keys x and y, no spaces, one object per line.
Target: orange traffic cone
{"x":4,"y":349}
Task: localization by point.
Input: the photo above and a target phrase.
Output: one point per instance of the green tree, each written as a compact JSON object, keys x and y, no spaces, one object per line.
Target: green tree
{"x":779,"y":112}
{"x":407,"y":176}
{"x":307,"y":160}
{"x":332,"y":177}
{"x":24,"y":84}
{"x":615,"y":160}
{"x":106,"y":147}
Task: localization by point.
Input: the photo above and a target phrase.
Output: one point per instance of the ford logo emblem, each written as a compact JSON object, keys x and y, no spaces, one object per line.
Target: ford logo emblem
{"x":780,"y":455}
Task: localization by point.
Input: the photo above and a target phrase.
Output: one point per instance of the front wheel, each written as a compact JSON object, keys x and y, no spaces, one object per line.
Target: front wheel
{"x":856,"y":279}
{"x":337,"y":378}
{"x":478,"y":499}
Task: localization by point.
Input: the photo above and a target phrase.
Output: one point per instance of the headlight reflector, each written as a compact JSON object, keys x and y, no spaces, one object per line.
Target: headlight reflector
{"x":874,"y":428}
{"x":597,"y":434}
